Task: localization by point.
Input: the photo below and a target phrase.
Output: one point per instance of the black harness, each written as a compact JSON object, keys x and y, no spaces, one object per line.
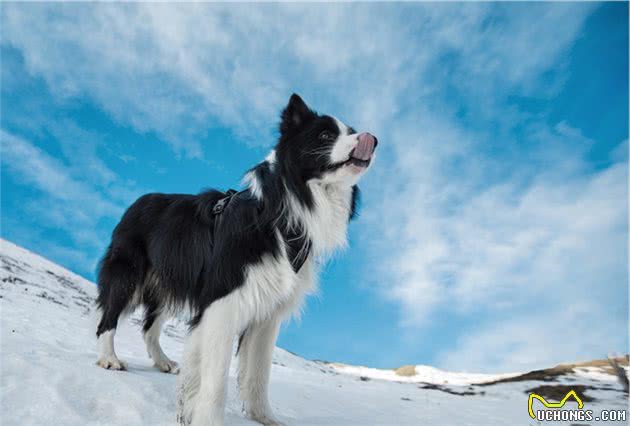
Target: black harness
{"x":299,"y":247}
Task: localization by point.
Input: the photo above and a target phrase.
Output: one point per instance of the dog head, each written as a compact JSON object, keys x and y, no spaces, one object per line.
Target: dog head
{"x":320,"y":147}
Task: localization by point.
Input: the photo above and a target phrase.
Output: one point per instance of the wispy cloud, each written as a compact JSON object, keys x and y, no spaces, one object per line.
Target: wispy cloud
{"x":66,"y":199}
{"x":189,"y":62}
{"x":46,"y":173}
{"x":199,"y":65}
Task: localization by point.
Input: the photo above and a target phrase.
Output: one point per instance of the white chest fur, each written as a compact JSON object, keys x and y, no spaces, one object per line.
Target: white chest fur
{"x":326,"y":224}
{"x":271,"y":285}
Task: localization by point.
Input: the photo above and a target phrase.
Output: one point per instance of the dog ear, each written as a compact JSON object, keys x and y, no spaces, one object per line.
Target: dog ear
{"x":295,"y":115}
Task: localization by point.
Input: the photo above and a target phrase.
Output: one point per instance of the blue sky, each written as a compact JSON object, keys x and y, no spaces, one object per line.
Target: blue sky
{"x":493,"y":233}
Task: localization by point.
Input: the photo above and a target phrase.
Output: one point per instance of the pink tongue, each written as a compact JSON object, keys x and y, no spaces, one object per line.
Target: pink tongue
{"x":365,"y":147}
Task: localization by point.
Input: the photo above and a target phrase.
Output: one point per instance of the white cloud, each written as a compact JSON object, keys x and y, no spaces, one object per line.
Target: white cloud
{"x":534,"y":248}
{"x":504,"y":243}
{"x":539,"y":339}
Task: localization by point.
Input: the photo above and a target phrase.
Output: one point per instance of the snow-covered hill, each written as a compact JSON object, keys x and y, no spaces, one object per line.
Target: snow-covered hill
{"x":48,"y":376}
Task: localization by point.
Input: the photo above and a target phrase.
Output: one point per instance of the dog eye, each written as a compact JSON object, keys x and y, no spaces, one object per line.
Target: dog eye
{"x":326,"y":136}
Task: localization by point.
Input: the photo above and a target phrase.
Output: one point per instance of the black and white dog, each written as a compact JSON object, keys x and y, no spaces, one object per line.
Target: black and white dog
{"x":241,"y":262}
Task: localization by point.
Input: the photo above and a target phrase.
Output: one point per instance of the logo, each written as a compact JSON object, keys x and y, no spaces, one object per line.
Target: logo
{"x":544,"y":402}
{"x":551,"y":410}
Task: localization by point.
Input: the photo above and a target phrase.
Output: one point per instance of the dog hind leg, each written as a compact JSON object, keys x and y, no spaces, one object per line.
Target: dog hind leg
{"x":154,"y":319}
{"x":116,"y":288}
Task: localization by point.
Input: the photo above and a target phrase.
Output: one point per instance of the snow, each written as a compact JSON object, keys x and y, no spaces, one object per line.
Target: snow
{"x":48,"y":375}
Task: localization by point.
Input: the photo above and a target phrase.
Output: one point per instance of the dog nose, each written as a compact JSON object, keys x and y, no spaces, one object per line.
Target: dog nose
{"x":368,"y":138}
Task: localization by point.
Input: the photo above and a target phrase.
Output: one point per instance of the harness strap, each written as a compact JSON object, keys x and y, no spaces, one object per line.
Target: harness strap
{"x":298,"y":248}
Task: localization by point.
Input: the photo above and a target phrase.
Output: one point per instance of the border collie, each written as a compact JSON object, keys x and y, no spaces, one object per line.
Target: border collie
{"x":240,"y":261}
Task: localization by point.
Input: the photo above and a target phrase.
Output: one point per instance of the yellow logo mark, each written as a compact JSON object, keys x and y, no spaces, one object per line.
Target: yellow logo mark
{"x":560,"y":404}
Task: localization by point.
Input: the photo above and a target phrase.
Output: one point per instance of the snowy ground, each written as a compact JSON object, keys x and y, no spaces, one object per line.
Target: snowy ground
{"x":48,"y":375}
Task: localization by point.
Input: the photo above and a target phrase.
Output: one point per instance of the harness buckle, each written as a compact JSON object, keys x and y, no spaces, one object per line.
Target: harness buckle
{"x":223,"y":202}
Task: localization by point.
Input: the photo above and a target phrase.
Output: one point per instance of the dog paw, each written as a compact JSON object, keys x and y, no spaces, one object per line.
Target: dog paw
{"x":167,"y":366}
{"x":275,"y":422}
{"x":266,"y":419}
{"x":111,"y":363}
{"x":271,"y":422}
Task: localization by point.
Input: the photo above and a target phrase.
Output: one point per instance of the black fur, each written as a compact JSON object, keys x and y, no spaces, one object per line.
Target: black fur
{"x":170,"y":250}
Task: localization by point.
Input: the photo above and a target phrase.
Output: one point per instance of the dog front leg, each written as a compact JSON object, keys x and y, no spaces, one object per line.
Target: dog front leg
{"x":218,"y":327}
{"x":255,"y":358}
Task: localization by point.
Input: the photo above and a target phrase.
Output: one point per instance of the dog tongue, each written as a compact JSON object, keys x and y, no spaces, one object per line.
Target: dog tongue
{"x":365,"y":147}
